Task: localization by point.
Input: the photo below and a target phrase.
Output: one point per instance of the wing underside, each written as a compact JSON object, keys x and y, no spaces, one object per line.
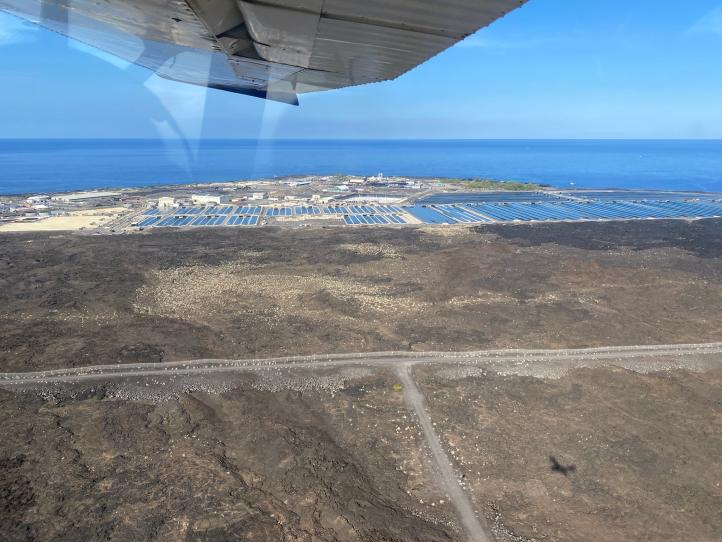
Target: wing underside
{"x":273,"y":49}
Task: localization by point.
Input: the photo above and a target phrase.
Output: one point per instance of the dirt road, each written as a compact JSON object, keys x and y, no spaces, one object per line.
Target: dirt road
{"x":447,"y":478}
{"x":516,"y":361}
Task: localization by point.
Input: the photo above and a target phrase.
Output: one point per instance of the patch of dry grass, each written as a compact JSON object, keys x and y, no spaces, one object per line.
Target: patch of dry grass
{"x":382,"y":250}
{"x":200,"y":291}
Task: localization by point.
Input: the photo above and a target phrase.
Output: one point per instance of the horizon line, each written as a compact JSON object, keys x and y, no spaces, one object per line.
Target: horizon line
{"x":173,"y":139}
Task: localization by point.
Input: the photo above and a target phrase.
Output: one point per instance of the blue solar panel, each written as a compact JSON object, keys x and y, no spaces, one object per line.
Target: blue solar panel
{"x":428,"y":215}
{"x":696,"y":209}
{"x":459,"y":213}
{"x":449,"y":212}
{"x":242,"y":220}
{"x":464,"y":212}
{"x":338,"y":210}
{"x":202,"y":221}
{"x":532,"y":211}
{"x":279,"y":211}
{"x":592,"y":210}
{"x":494,"y":210}
{"x":395,"y":219}
{"x":307,"y":210}
{"x":248,"y":210}
{"x":654,"y":195}
{"x":149,"y":221}
{"x":487,"y":197}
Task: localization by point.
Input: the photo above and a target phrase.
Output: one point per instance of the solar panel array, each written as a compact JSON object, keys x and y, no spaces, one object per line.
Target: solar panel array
{"x":638,"y":195}
{"x":279,"y":211}
{"x":239,"y":220}
{"x":563,"y":210}
{"x":491,"y":196}
{"x":373,"y":219}
{"x":551,"y":209}
{"x":203,"y":221}
{"x":445,"y":214}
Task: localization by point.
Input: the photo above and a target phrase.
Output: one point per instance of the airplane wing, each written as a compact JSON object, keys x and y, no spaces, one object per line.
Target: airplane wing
{"x":272,"y":49}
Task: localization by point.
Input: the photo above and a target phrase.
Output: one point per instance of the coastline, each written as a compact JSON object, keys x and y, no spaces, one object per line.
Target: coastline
{"x":66,"y":165}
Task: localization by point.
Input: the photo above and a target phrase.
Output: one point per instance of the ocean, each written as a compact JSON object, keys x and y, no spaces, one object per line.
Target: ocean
{"x":63,"y":165}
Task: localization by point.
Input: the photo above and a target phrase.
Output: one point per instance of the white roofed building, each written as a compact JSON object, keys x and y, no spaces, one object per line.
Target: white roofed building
{"x":210,"y":199}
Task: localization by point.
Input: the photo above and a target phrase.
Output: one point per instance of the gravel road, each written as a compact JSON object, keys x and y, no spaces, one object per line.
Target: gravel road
{"x":448,"y":479}
{"x":643,"y":357}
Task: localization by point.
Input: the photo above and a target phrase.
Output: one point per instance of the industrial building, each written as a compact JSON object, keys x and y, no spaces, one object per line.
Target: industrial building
{"x":208,"y":199}
{"x":166,"y":202}
{"x":79,"y":197}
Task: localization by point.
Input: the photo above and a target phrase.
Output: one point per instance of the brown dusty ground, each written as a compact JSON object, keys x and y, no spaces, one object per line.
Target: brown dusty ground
{"x":645,"y":448}
{"x":266,"y":461}
{"x":274,"y":459}
{"x":243,"y":465}
{"x":70,"y":300}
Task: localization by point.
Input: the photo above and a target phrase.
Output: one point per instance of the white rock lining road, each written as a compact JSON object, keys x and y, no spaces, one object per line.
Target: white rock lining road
{"x":541,"y":363}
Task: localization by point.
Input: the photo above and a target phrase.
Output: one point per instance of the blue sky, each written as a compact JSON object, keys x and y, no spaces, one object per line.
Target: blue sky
{"x":552,"y":69}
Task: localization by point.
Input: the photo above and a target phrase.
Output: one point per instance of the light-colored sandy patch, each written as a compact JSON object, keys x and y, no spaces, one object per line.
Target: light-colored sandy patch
{"x":102,"y":211}
{"x":74,"y":220}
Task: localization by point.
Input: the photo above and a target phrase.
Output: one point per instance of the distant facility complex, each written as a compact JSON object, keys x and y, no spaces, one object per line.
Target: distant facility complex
{"x":455,"y":208}
{"x":301,"y":202}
